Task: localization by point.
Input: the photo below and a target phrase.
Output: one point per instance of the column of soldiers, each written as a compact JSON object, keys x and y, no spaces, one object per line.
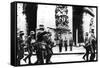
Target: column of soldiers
{"x":42,"y":46}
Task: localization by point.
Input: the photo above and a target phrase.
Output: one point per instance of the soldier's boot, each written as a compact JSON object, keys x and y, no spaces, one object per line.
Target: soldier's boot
{"x":29,"y":60}
{"x":48,"y":59}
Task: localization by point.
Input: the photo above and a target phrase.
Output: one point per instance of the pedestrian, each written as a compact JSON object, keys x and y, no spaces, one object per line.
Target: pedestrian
{"x":49,"y":47}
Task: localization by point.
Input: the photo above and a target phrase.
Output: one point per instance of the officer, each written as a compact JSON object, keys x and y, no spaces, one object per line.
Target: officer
{"x":93,"y":46}
{"x":45,"y":51}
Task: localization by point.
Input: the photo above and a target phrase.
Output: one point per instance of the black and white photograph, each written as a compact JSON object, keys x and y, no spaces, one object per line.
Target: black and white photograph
{"x":47,"y":33}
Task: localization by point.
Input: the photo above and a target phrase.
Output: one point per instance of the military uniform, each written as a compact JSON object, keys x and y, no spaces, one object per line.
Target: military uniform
{"x":49,"y":51}
{"x":71,"y":44}
{"x":93,"y":47}
{"x":60,"y":45}
{"x":20,"y":49}
{"x":65,"y":44}
{"x":39,"y":47}
{"x":30,"y":44}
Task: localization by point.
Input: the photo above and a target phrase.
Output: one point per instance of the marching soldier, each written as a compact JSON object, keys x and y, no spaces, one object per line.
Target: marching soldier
{"x":87,"y":47}
{"x":39,"y":52}
{"x":30,"y":43}
{"x":49,"y":46}
{"x":93,"y":46}
{"x":20,"y":47}
{"x":90,"y":47}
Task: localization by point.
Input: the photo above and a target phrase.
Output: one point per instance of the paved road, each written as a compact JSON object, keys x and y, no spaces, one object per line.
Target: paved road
{"x":64,"y":56}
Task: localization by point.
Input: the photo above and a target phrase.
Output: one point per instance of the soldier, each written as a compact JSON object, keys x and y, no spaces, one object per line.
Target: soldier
{"x":41,"y":48}
{"x":87,"y":47}
{"x":70,"y":44}
{"x":39,"y":33}
{"x":65,"y":44}
{"x":39,"y":52}
{"x":60,"y":45}
{"x":30,"y":41}
{"x":20,"y":47}
{"x":93,"y":46}
{"x":49,"y":46}
{"x":40,"y":45}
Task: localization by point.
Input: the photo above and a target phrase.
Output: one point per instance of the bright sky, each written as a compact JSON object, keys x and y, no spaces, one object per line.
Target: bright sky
{"x":46,"y":15}
{"x":21,"y":18}
{"x":86,"y":21}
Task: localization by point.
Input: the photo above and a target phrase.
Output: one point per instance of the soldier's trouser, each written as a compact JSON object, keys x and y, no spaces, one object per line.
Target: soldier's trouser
{"x":18,"y":62}
{"x":60,"y":48}
{"x":39,"y":58}
{"x":18,"y":59}
{"x":86,"y":54}
{"x":70,"y":48}
{"x":20,"y":56}
{"x":49,"y":54}
{"x":92,"y":53}
{"x":29,"y":56}
{"x":48,"y":58}
{"x":92,"y":56}
{"x":65,"y":47}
